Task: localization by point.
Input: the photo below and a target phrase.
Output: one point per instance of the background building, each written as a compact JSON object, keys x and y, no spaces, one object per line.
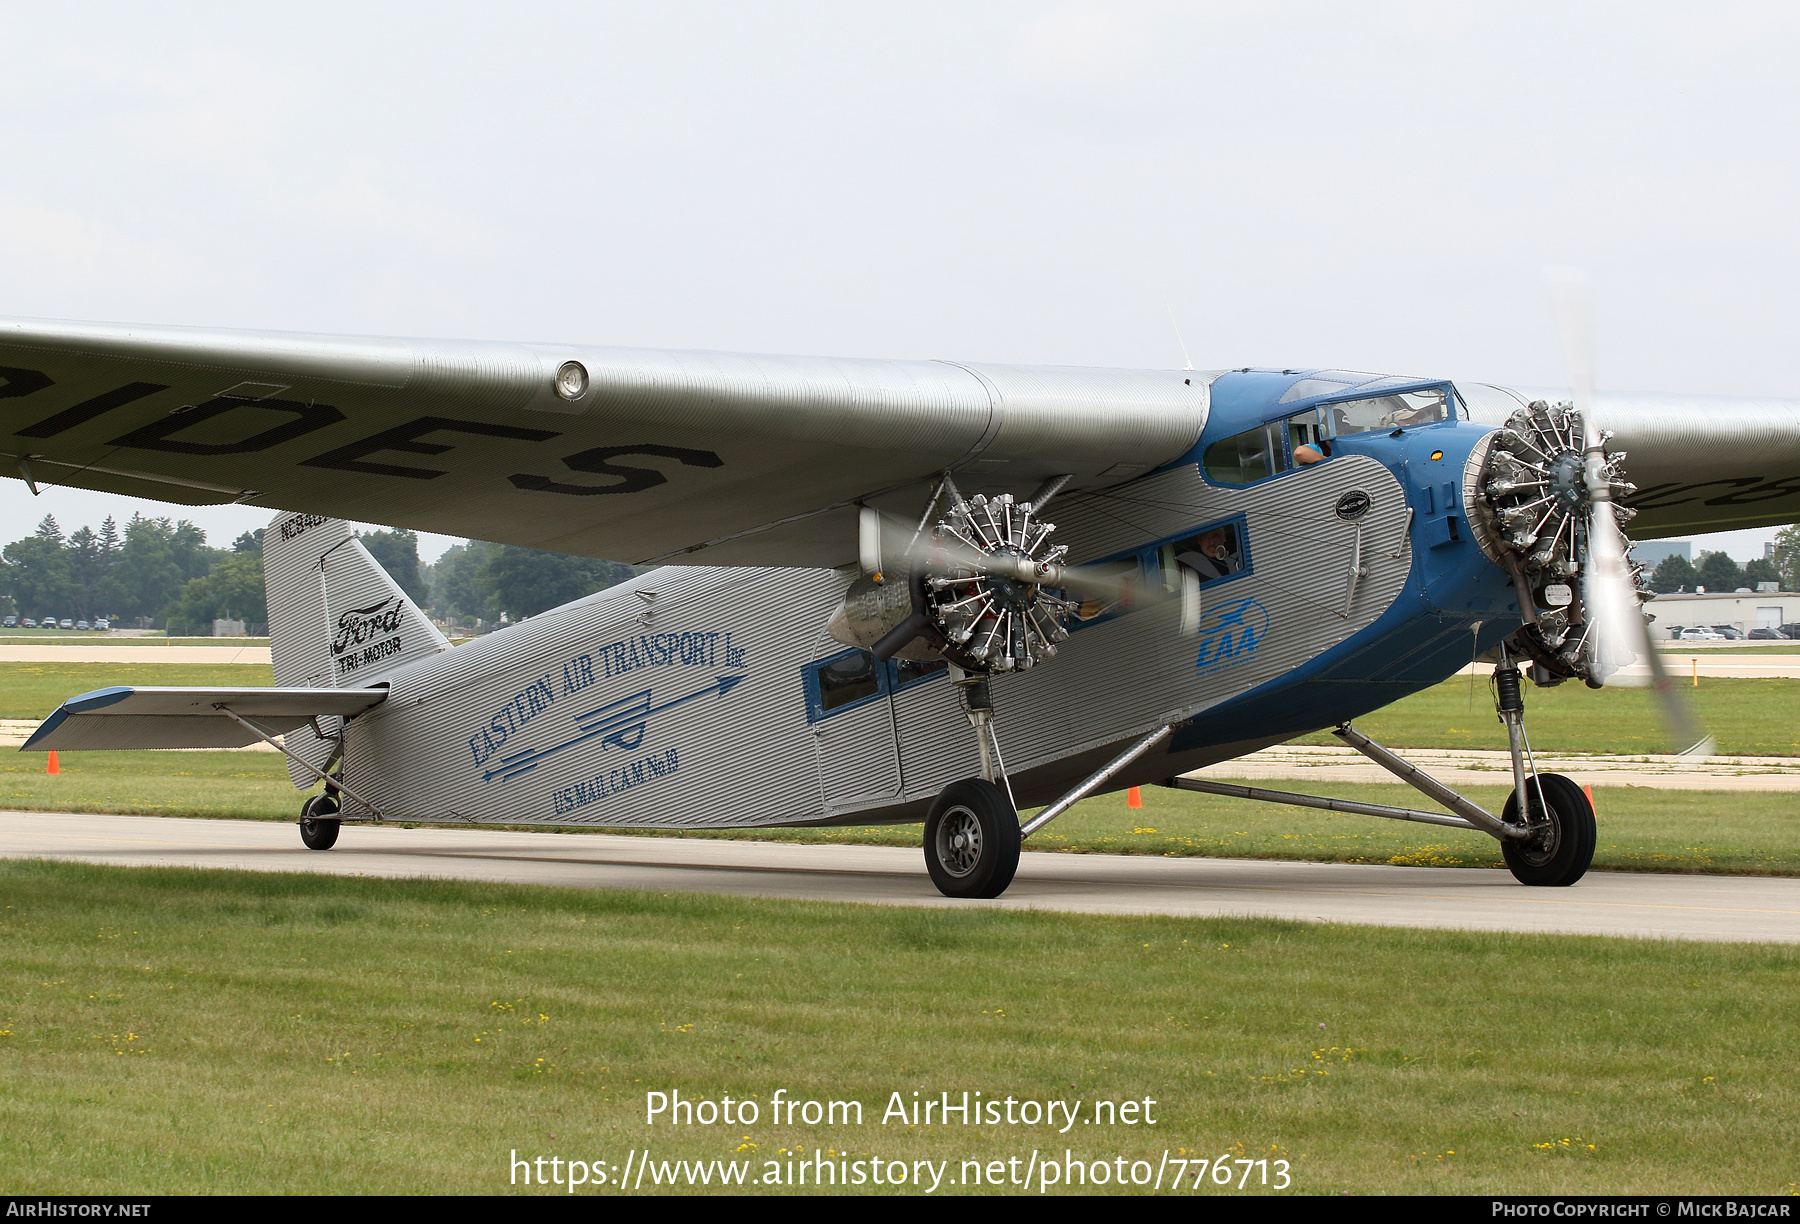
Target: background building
{"x":1740,"y":609}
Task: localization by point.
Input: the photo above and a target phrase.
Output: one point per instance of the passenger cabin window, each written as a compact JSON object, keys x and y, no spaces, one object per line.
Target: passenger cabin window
{"x":1130,"y":574}
{"x":906,"y":671}
{"x":1402,"y":410}
{"x":847,"y":679}
{"x":1213,"y":553}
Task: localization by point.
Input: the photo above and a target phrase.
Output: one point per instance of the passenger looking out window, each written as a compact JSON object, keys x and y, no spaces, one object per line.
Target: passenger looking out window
{"x":1212,"y":554}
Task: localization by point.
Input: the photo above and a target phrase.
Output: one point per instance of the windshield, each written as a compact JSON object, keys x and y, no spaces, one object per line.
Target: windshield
{"x":1402,"y":410}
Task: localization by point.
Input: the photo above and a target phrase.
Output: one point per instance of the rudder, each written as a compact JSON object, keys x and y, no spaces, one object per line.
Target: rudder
{"x":336,"y":619}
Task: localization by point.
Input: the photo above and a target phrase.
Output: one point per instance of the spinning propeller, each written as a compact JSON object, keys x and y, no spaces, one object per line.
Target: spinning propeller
{"x":1617,"y":631}
{"x":984,"y":587}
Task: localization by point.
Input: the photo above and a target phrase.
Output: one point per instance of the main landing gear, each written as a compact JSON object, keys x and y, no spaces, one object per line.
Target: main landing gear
{"x":1561,"y":828}
{"x":972,"y":840}
{"x":1550,"y":810}
{"x":1546,"y":831}
{"x":972,"y":833}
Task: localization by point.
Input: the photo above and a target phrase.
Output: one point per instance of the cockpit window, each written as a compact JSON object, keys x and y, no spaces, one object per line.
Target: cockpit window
{"x":1246,"y":457}
{"x":1306,"y":388}
{"x":1402,"y":410}
{"x":1268,"y":450}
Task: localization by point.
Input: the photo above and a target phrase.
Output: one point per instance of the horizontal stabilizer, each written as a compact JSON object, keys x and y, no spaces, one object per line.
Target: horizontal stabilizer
{"x":122,"y":718}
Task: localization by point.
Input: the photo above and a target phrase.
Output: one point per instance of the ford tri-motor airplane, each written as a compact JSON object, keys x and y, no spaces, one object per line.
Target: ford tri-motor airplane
{"x":884,"y":591}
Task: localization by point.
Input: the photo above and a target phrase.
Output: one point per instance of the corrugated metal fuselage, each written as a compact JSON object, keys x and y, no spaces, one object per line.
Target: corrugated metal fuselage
{"x":689,"y":696}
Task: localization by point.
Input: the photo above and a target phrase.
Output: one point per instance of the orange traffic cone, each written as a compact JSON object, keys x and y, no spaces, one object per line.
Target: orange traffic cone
{"x":1134,"y":798}
{"x":52,"y":767}
{"x":1588,"y":790}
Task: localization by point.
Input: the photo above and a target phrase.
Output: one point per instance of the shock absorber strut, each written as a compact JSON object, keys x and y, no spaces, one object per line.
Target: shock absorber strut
{"x":1509,"y":703}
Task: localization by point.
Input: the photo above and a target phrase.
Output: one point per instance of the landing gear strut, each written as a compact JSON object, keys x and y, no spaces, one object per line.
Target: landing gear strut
{"x":1550,"y":809}
{"x":1546,"y":831}
{"x":972,"y":831}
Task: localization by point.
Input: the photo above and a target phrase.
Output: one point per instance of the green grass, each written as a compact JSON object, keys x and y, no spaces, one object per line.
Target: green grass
{"x":176,"y":1031}
{"x":249,"y":785}
{"x":1641,"y":828}
{"x":33,"y":690}
{"x":1749,"y":717}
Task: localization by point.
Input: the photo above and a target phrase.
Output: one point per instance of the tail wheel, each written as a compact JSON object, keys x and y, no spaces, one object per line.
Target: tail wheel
{"x":972,"y":840}
{"x":1564,"y":847}
{"x":318,"y":823}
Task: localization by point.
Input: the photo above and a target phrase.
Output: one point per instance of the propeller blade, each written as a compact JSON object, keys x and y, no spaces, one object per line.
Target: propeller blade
{"x":902,"y":543}
{"x":1619,"y":634}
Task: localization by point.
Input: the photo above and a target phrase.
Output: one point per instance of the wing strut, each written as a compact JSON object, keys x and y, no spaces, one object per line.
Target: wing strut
{"x":1106,"y":771}
{"x":330,"y":782}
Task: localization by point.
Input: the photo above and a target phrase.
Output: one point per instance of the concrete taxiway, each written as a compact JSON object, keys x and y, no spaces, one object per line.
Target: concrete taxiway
{"x":1735,"y":908}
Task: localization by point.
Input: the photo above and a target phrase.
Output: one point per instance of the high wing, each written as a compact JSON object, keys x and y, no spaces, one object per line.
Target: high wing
{"x":1700,"y":463}
{"x":119,"y":718}
{"x":718,"y":458}
{"x":629,"y":454}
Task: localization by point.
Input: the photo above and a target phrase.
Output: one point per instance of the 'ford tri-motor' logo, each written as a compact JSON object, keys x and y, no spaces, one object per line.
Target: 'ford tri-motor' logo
{"x":359,"y":625}
{"x":1352,"y":505}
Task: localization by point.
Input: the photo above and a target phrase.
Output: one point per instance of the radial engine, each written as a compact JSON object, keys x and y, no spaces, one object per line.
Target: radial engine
{"x":1531,"y":512}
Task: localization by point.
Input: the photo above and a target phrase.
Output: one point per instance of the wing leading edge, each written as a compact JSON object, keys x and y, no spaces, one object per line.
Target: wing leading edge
{"x":1700,"y":463}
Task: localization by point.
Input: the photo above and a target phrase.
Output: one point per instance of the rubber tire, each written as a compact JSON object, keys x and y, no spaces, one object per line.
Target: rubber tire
{"x":1573,"y":834}
{"x":978,"y":802}
{"x":317,"y":831}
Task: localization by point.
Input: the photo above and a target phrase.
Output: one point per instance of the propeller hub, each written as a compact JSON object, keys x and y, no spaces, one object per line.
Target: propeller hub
{"x":1568,"y":480}
{"x":984,"y":585}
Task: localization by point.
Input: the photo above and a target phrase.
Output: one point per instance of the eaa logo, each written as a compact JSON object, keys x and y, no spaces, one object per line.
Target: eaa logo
{"x":1230,"y":634}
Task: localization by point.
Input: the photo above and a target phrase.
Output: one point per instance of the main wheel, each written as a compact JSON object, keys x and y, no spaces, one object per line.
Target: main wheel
{"x":1560,"y":854}
{"x":317,"y":828}
{"x":972,"y":840}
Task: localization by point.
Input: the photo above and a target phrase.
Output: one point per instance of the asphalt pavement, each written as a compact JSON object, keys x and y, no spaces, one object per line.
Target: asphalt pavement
{"x":1734,"y":908}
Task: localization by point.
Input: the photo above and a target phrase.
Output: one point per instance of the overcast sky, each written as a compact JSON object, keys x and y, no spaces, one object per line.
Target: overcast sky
{"x":1377,"y":186}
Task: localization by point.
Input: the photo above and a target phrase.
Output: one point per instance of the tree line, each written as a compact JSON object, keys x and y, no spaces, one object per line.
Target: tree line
{"x":163,"y":571}
{"x":1717,"y":572}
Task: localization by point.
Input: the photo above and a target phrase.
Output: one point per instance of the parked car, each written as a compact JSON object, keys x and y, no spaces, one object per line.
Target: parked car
{"x":1700,"y":634}
{"x":82,"y":625}
{"x":28,"y":623}
{"x":11,"y":622}
{"x":103,"y":625}
{"x":1729,"y":631}
{"x":66,"y":623}
{"x":1790,"y":631}
{"x":1765,"y":634}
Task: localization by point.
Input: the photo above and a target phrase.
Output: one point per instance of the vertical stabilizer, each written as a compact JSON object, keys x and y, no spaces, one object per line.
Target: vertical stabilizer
{"x":336,"y":620}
